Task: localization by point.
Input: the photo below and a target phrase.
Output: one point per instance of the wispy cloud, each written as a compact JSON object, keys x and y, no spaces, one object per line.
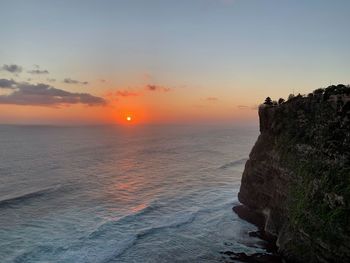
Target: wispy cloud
{"x":242,"y":106}
{"x":73,"y":81}
{"x":137,"y":91}
{"x":38,"y":71}
{"x":246,"y":107}
{"x":211,"y":99}
{"x":152,"y":87}
{"x":44,"y":95}
{"x":13,"y":68}
{"x":51,"y":80}
{"x":126,"y":93}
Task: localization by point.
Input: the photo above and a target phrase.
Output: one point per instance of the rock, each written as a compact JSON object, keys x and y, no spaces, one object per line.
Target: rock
{"x":296,"y":183}
{"x":270,"y":244}
{"x":254,"y":258}
{"x":250,"y":215}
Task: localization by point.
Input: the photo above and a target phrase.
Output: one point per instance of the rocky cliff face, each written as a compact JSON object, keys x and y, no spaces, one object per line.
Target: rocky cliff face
{"x":298,"y":176}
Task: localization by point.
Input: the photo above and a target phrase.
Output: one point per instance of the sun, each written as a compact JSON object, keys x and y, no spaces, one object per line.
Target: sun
{"x":128,"y":118}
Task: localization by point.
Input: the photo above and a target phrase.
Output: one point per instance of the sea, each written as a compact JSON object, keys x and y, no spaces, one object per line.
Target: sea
{"x":156,"y":193}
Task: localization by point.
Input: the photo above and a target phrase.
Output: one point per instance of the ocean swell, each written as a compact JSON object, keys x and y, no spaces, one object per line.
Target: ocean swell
{"x":26,"y":196}
{"x":234,"y":163}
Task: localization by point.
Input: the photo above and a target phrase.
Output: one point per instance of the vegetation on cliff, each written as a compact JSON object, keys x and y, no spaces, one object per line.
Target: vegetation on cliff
{"x":308,"y":140}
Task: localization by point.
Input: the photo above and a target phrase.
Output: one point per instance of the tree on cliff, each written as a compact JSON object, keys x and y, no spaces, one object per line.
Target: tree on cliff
{"x":318,"y":91}
{"x":268,"y":101}
{"x":280,"y":101}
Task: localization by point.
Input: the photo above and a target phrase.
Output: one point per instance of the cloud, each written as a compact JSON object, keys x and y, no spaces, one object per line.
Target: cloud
{"x":137,"y":91}
{"x":245,"y":107}
{"x":45,"y":95}
{"x":152,"y":87}
{"x":51,"y":80}
{"x":12,"y":68}
{"x":38,"y":71}
{"x":115,"y":95}
{"x":73,"y":81}
{"x":212,"y":99}
{"x":242,"y":106}
{"x":7,"y":83}
{"x":126,"y":93}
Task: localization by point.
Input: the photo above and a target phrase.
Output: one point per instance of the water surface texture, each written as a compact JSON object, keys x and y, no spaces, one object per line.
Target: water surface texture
{"x":122,"y":194}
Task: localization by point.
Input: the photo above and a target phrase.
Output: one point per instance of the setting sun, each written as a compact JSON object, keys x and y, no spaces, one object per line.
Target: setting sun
{"x":128,"y":118}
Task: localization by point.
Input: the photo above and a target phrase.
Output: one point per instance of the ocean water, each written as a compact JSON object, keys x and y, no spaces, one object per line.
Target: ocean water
{"x":122,"y":194}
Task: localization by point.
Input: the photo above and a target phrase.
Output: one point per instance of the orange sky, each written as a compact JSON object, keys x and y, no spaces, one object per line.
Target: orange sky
{"x":145,"y":107}
{"x":165,"y":61}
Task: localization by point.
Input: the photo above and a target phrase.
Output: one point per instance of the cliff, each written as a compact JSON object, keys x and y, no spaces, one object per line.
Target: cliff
{"x":298,"y":175}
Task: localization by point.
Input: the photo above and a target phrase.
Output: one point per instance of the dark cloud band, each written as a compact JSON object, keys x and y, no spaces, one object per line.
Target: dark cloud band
{"x":7,"y":83}
{"x":44,"y":95}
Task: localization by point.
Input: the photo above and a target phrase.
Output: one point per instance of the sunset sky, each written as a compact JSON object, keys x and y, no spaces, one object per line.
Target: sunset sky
{"x":183,"y":61}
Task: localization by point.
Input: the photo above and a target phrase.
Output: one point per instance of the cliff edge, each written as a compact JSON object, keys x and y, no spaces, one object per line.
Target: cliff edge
{"x":298,"y":175}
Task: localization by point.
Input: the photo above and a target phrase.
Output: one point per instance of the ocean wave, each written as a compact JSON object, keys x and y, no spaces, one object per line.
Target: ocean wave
{"x":113,"y":238}
{"x":182,"y":218}
{"x":108,"y":242}
{"x":22,"y":197}
{"x":122,"y":220}
{"x":189,"y":218}
{"x":233,"y":163}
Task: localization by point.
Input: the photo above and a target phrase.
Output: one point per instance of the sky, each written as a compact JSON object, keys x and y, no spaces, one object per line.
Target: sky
{"x":183,"y":61}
